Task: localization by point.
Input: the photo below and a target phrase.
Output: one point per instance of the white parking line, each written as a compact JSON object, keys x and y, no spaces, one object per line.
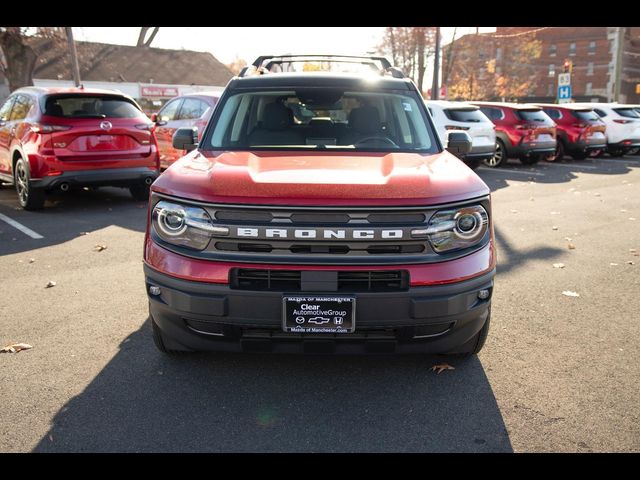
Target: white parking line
{"x":19,"y":226}
{"x":510,"y":171}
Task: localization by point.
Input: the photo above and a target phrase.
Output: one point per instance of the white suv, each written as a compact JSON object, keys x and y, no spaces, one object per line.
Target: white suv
{"x":452,"y":116}
{"x":623,"y":126}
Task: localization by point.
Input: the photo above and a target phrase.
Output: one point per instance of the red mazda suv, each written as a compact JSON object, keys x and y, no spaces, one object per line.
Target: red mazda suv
{"x":55,"y":139}
{"x":523,"y":131}
{"x":320,"y":213}
{"x":580,"y":132}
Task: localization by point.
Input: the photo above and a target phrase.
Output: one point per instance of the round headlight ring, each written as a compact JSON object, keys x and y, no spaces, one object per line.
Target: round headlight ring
{"x":172,"y":222}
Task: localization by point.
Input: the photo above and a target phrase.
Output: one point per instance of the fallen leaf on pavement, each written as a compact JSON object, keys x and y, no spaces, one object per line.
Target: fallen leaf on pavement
{"x":558,"y":265}
{"x":15,"y":348}
{"x":568,"y":239}
{"x":596,"y":194}
{"x":630,"y":263}
{"x":623,"y":210}
{"x":632,"y":250}
{"x":554,"y":228}
{"x":571,"y":246}
{"x":569,"y":293}
{"x":441,"y":367}
{"x":99,"y":248}
{"x":613,"y":264}
{"x":50,"y":284}
{"x":31,"y":260}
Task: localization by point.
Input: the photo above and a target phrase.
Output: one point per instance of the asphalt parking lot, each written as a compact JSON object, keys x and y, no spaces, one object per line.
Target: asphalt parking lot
{"x":558,"y":373}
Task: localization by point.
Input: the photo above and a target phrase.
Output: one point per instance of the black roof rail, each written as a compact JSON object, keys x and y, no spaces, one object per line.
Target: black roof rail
{"x":259,"y":65}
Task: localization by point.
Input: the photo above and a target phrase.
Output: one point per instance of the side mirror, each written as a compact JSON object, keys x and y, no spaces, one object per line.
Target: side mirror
{"x":459,"y":143}
{"x":186,"y":139}
{"x":154,"y":117}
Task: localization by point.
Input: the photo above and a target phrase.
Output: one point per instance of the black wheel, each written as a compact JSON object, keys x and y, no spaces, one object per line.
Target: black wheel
{"x":616,"y":152}
{"x":140,"y":192}
{"x":499,"y":157}
{"x":633,"y":151}
{"x":579,"y":156}
{"x":30,"y":198}
{"x":530,"y":160}
{"x":473,"y":346}
{"x":559,"y":155}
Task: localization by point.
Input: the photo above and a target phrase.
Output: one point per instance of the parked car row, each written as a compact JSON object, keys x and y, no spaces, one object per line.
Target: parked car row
{"x":532,"y":132}
{"x":57,"y":139}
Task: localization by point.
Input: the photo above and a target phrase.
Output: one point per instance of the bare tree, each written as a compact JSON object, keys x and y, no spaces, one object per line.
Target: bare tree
{"x":143,"y":33}
{"x":409,"y":48}
{"x":20,"y":55}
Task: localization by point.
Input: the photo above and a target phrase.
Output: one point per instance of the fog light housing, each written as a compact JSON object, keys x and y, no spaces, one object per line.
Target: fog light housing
{"x":483,"y":294}
{"x":154,"y":290}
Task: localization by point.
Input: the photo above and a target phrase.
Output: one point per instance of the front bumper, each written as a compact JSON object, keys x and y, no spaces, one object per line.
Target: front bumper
{"x":197,"y":316}
{"x":99,"y":177}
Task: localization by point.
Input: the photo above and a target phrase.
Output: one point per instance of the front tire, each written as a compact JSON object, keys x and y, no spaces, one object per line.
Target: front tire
{"x":140,"y":192}
{"x":29,"y":198}
{"x":499,"y":157}
{"x":473,"y":346}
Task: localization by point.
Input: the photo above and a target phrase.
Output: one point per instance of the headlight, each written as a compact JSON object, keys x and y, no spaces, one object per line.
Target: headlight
{"x":184,"y":225}
{"x":456,"y":229}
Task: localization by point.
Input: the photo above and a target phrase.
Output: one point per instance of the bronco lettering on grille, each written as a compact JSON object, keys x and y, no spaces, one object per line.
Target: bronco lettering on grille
{"x":321,"y":233}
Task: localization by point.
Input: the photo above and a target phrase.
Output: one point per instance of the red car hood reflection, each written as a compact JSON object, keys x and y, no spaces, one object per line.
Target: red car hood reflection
{"x":321,"y":178}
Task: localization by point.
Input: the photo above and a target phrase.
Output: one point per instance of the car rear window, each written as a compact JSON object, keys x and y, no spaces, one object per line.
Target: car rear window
{"x":531,"y":115}
{"x":493,"y":113}
{"x":90,"y":106}
{"x":465,"y":115}
{"x":627,"y":112}
{"x":585,"y":115}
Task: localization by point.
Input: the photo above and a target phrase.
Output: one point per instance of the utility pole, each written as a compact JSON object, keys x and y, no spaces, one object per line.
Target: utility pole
{"x":74,"y":56}
{"x":619,"y":59}
{"x":435,"y":88}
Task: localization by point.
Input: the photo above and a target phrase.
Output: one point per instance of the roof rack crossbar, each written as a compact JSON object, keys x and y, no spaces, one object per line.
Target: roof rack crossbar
{"x":362,"y":59}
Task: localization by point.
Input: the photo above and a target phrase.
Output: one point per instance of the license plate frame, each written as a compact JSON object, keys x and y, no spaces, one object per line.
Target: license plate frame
{"x":332,"y":314}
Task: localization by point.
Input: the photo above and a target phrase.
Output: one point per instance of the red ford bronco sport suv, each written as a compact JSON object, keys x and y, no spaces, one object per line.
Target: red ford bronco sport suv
{"x":320,"y":214}
{"x":74,"y":137}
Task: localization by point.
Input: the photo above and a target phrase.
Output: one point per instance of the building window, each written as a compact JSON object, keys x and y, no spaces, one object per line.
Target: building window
{"x":572,"y":48}
{"x":587,"y":88}
{"x":553,"y":50}
{"x":590,"y":69}
{"x":552,"y":70}
{"x":592,"y":48}
{"x":550,"y":90}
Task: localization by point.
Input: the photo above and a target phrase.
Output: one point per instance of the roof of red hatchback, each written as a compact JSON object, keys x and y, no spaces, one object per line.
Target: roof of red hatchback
{"x":87,"y":91}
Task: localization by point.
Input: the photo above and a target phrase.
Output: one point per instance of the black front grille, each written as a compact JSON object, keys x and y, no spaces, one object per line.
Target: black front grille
{"x":348,"y":281}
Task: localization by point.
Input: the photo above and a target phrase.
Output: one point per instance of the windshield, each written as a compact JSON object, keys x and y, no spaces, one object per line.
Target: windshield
{"x":322,"y":118}
{"x":90,"y":106}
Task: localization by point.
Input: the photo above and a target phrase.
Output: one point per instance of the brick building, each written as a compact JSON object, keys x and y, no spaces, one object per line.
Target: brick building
{"x":591,"y":51}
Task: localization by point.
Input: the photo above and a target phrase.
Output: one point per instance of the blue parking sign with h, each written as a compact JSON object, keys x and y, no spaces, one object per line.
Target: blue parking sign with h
{"x":564,"y":92}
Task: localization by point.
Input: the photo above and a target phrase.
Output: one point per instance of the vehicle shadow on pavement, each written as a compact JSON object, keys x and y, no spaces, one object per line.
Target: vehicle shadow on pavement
{"x":554,"y":172}
{"x":67,"y":216}
{"x":509,"y":257}
{"x":143,"y":401}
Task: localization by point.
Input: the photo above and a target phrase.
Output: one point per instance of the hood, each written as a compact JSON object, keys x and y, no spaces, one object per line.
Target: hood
{"x":321,"y":178}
